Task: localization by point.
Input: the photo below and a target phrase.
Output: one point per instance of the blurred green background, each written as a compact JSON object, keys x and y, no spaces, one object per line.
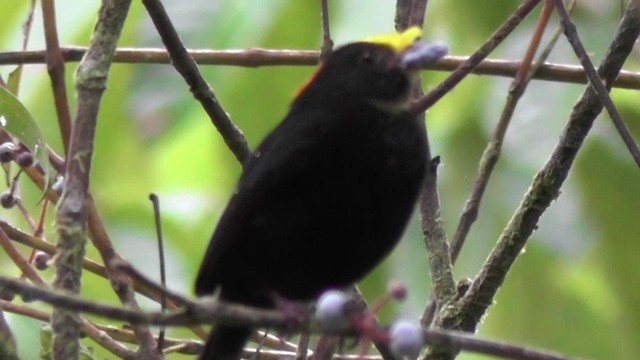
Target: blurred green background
{"x":575,"y":289}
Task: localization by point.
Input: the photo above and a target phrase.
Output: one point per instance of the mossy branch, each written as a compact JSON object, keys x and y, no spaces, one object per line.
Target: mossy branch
{"x":71,"y":217}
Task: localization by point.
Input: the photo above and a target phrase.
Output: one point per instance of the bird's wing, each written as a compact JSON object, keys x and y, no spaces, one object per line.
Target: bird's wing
{"x":273,"y":169}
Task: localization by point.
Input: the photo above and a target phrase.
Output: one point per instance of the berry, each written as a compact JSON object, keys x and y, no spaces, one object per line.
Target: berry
{"x":58,"y":185}
{"x":397,"y":291}
{"x":331,"y":312}
{"x":7,"y":200}
{"x":41,"y":260}
{"x":6,"y":152}
{"x":407,"y":339}
{"x":24,"y":159}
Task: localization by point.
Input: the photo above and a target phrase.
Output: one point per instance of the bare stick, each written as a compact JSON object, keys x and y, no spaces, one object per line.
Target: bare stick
{"x":19,"y":260}
{"x":327,"y":43}
{"x":257,"y":57}
{"x":188,"y":68}
{"x":100,"y":332}
{"x":596,"y":82}
{"x":492,"y":151}
{"x":163,"y":276}
{"x":215,"y":311}
{"x":463,"y":70}
{"x":546,"y":185}
{"x":55,"y":67}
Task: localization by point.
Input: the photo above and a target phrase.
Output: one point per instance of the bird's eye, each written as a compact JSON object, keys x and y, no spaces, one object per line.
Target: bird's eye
{"x":368,"y":58}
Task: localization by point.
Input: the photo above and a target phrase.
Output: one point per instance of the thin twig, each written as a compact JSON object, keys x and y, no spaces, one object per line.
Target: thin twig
{"x":546,"y":185}
{"x":102,"y":335}
{"x":21,"y":262}
{"x":409,"y":13}
{"x":473,"y":344}
{"x":596,"y":82}
{"x":163,"y":276}
{"x":14,"y":78}
{"x":101,"y":332}
{"x":55,"y":67}
{"x":443,"y":283}
{"x":383,"y":347}
{"x":465,"y":68}
{"x":198,"y":86}
{"x":30,"y":272}
{"x":492,"y":152}
{"x":134,"y":274}
{"x":47,"y":247}
{"x":198,"y":312}
{"x":214,"y":311}
{"x":257,"y":57}
{"x":103,"y":244}
{"x":327,"y":43}
{"x":303,"y":346}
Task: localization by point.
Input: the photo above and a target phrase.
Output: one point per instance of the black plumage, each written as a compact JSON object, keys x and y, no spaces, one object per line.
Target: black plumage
{"x":326,"y":195}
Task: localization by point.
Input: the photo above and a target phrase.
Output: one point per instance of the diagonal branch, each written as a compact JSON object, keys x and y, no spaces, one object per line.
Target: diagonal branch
{"x":465,"y":68}
{"x":492,"y":151}
{"x":55,"y":67}
{"x":546,"y":185}
{"x":594,"y":79}
{"x":188,"y":68}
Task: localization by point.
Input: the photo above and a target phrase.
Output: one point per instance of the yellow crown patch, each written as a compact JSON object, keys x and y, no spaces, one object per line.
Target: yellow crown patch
{"x":399,"y":41}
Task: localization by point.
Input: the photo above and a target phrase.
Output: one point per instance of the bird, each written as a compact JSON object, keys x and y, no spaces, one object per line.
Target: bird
{"x":327,"y":194}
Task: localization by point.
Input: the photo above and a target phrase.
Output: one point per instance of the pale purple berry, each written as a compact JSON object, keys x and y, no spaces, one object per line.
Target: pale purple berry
{"x":407,"y":339}
{"x":330,"y":310}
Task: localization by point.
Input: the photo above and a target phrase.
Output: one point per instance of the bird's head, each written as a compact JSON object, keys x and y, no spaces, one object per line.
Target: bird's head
{"x":379,"y":70}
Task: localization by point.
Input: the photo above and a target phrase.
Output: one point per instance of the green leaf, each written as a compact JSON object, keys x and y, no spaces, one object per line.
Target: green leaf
{"x":13,"y":81}
{"x":46,"y":341}
{"x":17,"y":121}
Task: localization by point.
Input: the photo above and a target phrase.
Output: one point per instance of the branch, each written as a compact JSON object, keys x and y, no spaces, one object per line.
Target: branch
{"x":101,"y":334}
{"x":594,"y":80}
{"x":327,"y":44}
{"x":432,"y":224}
{"x":55,"y":67}
{"x":465,"y":68}
{"x":257,"y":57}
{"x":410,"y":13}
{"x":198,"y":86}
{"x":121,"y":284}
{"x":546,"y":184}
{"x":208,"y":311}
{"x":491,"y":153}
{"x":72,"y":215}
{"x":88,"y":328}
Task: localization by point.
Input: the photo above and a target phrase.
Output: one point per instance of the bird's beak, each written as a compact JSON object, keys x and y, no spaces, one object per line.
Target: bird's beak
{"x":420,"y":54}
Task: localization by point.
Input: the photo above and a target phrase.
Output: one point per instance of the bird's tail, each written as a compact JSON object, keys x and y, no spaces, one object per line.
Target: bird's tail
{"x":225,"y":343}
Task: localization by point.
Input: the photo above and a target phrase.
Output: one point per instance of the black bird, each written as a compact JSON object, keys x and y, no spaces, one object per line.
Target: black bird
{"x":327,"y":195}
